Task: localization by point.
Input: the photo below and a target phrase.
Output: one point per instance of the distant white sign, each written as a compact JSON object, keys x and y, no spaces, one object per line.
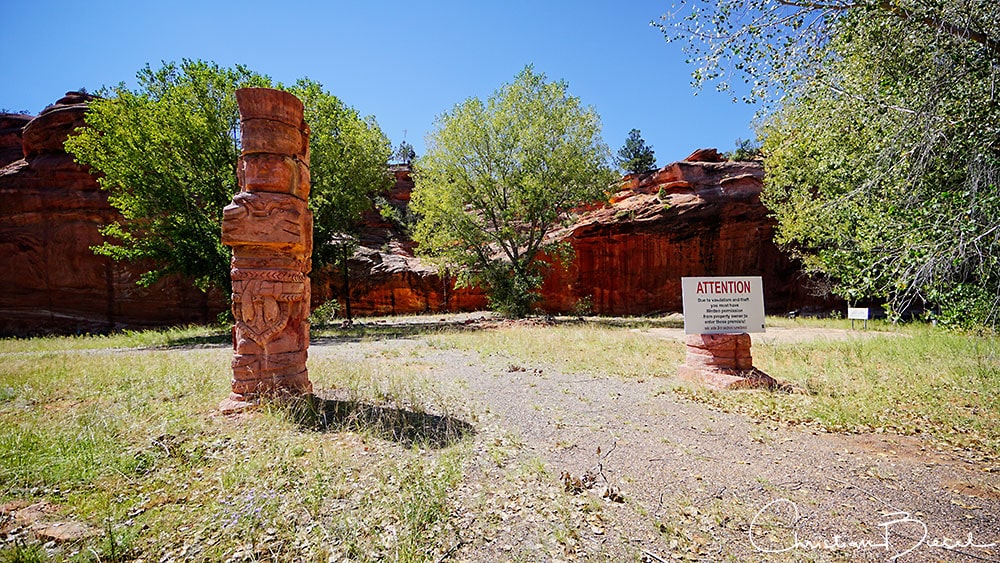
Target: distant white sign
{"x":859,"y":313}
{"x":723,"y":305}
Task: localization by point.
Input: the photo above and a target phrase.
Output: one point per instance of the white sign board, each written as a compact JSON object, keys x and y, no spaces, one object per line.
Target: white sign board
{"x":723,"y":305}
{"x":859,"y":313}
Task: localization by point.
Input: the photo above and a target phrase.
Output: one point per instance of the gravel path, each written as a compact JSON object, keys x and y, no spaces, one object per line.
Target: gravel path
{"x":570,"y":466}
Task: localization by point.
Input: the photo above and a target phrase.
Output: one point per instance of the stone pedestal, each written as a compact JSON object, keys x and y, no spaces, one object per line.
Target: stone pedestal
{"x":722,"y":361}
{"x":269,"y":227}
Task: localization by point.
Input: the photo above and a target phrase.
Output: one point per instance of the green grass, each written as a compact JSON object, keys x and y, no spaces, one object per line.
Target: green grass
{"x":169,"y":337}
{"x":130,"y":442}
{"x":919,"y":381}
{"x":122,"y":432}
{"x":599,"y":348}
{"x":23,"y":553}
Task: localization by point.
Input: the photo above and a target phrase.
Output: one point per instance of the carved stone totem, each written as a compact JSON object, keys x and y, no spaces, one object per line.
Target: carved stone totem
{"x":269,"y":227}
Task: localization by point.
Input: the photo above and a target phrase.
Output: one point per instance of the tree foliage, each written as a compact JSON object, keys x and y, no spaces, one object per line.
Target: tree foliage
{"x":635,"y":156}
{"x":347,"y":167}
{"x":881,"y":139}
{"x":404,"y":153}
{"x":497,"y":177}
{"x":773,"y":46}
{"x":167,"y":152}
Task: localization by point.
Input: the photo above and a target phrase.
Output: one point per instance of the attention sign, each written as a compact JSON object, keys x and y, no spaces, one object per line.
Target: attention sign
{"x":723,"y":305}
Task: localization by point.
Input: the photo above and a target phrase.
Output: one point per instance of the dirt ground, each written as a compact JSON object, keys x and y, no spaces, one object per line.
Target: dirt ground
{"x":595,"y":467}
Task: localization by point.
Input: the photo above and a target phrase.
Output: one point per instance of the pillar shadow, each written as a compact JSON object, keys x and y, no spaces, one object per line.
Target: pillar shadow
{"x":399,"y":425}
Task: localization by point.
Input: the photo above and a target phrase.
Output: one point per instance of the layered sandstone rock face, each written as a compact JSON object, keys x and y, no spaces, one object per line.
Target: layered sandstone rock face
{"x":52,"y":209}
{"x":386,"y":278}
{"x":691,"y":218}
{"x":11,"y":127}
{"x":698,"y":217}
{"x":269,"y":227}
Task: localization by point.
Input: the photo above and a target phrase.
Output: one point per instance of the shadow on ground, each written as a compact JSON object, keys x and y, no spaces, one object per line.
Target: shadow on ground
{"x":399,"y":425}
{"x":215,"y":340}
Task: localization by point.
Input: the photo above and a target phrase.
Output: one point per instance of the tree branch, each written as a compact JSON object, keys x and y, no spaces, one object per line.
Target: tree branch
{"x":900,"y":12}
{"x":956,"y":30}
{"x":818,"y":5}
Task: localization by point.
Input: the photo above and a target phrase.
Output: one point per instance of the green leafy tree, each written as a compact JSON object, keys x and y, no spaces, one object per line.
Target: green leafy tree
{"x":167,"y":154}
{"x":635,"y":156}
{"x":347,"y":168}
{"x":498,"y":176}
{"x":881,"y":137}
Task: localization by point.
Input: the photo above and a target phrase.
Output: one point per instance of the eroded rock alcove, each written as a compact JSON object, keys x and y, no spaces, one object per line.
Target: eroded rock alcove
{"x":50,"y":214}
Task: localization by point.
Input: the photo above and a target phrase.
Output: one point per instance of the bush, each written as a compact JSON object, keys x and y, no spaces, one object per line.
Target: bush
{"x":511,"y":295}
{"x":584,"y":306}
{"x":325,"y":313}
{"x":746,"y":150}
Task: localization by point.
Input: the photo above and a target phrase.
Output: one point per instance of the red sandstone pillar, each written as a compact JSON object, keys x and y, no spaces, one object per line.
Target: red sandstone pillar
{"x":722,"y":361}
{"x":269,"y":227}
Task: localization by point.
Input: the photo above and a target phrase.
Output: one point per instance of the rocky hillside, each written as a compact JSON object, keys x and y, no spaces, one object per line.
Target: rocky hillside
{"x":52,"y":208}
{"x":385,"y":276}
{"x":698,"y":217}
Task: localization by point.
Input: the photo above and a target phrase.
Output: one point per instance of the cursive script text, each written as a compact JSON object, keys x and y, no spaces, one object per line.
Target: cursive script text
{"x":894,"y":521}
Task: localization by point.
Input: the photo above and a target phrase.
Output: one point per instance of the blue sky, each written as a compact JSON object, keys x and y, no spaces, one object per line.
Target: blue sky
{"x":403,"y":62}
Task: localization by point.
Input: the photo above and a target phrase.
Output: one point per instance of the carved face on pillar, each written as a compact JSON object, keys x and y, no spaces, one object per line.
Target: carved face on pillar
{"x":259,"y":221}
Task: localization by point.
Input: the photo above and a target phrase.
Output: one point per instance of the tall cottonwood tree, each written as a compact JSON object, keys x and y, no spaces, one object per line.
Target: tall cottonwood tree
{"x":498,"y":175}
{"x":881,"y":137}
{"x":167,"y":151}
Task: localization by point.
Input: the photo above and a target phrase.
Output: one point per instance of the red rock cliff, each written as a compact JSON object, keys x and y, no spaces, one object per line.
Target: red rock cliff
{"x":386,"y":278}
{"x":701,"y":216}
{"x":698,"y":217}
{"x":691,"y":218}
{"x":52,"y":208}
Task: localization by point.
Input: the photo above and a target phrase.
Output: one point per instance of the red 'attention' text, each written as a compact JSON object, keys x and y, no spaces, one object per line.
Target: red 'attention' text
{"x":724,"y":286}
